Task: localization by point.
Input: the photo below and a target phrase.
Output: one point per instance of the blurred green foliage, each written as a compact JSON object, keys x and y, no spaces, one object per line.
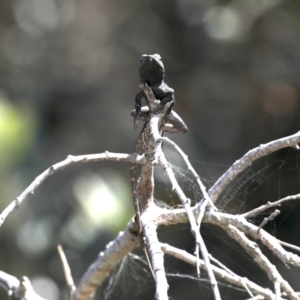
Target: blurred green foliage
{"x":17,"y":131}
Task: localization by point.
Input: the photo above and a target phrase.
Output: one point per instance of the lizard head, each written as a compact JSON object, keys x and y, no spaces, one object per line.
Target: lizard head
{"x":151,"y":70}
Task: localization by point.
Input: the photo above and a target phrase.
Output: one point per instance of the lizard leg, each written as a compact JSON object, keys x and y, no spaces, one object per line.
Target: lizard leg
{"x":174,"y":124}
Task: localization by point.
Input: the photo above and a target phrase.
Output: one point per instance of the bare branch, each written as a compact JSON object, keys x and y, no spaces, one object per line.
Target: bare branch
{"x":277,"y":290}
{"x":70,"y":160}
{"x":240,"y":165}
{"x":269,"y":218}
{"x":157,"y":260}
{"x":106,"y":261}
{"x":186,"y":203}
{"x":152,"y":216}
{"x":201,"y":186}
{"x":190,"y":168}
{"x":222,"y":266}
{"x":262,"y":261}
{"x":223,"y":219}
{"x":296,"y":248}
{"x":264,"y":207}
{"x":228,"y":277}
{"x":220,"y":219}
{"x":67,"y":271}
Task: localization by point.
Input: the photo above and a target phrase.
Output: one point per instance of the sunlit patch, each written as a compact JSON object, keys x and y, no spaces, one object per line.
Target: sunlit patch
{"x":40,"y":13}
{"x":105,"y":204}
{"x":233,"y":22}
{"x":34,"y":236}
{"x":45,"y":287}
{"x":224,"y":23}
{"x":98,"y":199}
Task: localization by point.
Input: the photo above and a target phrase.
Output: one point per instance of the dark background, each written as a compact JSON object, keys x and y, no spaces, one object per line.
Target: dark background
{"x":68,"y":77}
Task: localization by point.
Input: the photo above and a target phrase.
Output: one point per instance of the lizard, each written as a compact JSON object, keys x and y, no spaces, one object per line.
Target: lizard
{"x":152,"y":73}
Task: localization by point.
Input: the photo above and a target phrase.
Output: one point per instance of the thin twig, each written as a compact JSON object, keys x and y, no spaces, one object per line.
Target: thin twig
{"x":67,"y":271}
{"x":273,"y":215}
{"x":190,"y":168}
{"x":243,"y":280}
{"x":186,"y":203}
{"x":201,"y":186}
{"x":70,"y":160}
{"x":157,"y":256}
{"x":296,"y":248}
{"x":277,"y":290}
{"x":262,"y":261}
{"x":256,"y":211}
{"x":223,"y":219}
{"x":222,"y":266}
{"x":240,"y":165}
{"x":247,"y":288}
{"x":228,"y":277}
{"x":178,"y":216}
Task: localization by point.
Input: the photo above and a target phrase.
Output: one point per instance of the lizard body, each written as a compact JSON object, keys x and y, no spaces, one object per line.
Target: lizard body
{"x":151,"y":73}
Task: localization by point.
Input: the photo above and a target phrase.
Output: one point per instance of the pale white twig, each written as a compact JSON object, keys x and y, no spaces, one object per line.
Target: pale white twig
{"x":175,"y":187}
{"x":228,"y":277}
{"x":258,"y":297}
{"x":273,"y":215}
{"x":262,"y":261}
{"x":157,"y":257}
{"x":201,"y":186}
{"x":177,"y":216}
{"x":247,"y":288}
{"x":240,"y":165}
{"x":277,"y":290}
{"x":223,"y":219}
{"x":190,"y":168}
{"x":67,"y":271}
{"x":222,"y":266}
{"x":70,"y":160}
{"x":264,"y":207}
{"x":289,"y":245}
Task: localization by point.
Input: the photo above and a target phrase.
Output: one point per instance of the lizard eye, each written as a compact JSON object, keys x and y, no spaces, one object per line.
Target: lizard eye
{"x":143,"y":58}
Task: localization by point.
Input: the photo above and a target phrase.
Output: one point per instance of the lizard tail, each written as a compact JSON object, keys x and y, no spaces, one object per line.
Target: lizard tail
{"x":133,"y":168}
{"x":139,"y":146}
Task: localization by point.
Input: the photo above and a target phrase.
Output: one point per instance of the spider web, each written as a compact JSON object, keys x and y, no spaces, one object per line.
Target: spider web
{"x":131,"y":273}
{"x":272,"y":170}
{"x":131,"y":280}
{"x":268,"y":179}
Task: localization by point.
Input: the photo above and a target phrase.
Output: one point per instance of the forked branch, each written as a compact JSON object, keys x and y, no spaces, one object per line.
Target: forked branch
{"x":237,"y":226}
